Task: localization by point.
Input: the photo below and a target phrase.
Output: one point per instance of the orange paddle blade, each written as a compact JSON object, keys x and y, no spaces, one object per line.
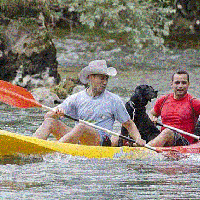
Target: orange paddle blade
{"x":16,"y":96}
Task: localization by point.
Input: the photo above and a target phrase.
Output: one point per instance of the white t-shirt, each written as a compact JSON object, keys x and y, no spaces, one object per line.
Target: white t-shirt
{"x":102,"y":110}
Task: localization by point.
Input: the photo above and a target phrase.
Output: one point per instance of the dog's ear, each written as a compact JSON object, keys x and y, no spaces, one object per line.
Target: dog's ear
{"x":133,"y":98}
{"x":139,"y":93}
{"x":154,"y":93}
{"x":142,"y":89}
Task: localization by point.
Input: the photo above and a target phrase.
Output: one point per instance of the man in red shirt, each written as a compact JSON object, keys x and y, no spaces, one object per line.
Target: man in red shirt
{"x":178,"y":109}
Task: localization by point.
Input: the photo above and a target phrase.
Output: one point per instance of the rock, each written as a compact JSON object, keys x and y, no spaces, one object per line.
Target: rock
{"x":29,"y":56}
{"x":174,"y":57}
{"x":45,"y":96}
{"x":78,"y":88}
{"x":65,"y":87}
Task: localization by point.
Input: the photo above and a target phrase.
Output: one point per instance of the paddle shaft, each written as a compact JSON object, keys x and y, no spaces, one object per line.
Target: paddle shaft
{"x":103,"y":129}
{"x":178,"y":130}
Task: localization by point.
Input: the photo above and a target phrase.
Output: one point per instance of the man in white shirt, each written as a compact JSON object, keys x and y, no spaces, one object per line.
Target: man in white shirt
{"x":94,"y":104}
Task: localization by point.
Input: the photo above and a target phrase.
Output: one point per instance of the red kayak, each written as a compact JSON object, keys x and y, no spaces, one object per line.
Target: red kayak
{"x":193,"y":148}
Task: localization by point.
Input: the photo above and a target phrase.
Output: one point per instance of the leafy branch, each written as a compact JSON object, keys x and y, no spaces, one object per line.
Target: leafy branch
{"x":144,"y":22}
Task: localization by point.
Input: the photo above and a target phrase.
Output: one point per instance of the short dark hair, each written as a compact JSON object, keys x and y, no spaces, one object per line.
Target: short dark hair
{"x":181,"y":72}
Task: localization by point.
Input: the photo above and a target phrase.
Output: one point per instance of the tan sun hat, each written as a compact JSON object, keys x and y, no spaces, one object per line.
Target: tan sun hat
{"x":96,"y":67}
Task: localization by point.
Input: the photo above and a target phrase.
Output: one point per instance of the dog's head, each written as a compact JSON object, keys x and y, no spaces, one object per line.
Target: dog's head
{"x":143,"y":94}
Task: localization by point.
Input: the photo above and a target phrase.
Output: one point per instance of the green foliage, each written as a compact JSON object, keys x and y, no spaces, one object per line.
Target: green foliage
{"x":144,"y":22}
{"x":141,"y":22}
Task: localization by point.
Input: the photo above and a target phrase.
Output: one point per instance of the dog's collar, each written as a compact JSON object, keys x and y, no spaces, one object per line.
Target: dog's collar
{"x":132,"y":105}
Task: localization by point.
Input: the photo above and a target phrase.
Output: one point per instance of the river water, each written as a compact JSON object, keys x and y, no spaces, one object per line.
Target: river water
{"x":58,"y":176}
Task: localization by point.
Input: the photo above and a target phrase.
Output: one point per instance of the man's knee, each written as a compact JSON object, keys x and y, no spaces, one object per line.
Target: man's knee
{"x":167,"y":133}
{"x":50,"y":124}
{"x":83,"y":127}
{"x":87,"y":134}
{"x":50,"y":121}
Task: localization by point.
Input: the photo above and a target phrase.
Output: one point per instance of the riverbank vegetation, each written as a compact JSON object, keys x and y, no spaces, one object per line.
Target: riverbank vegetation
{"x":140,"y":22}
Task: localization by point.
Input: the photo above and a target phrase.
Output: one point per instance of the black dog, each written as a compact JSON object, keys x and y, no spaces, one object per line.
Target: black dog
{"x":136,"y":108}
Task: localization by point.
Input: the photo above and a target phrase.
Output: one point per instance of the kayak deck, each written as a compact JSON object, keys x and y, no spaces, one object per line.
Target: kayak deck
{"x":15,"y":144}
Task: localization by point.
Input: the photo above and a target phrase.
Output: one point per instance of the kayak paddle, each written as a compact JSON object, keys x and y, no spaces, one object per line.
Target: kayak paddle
{"x":178,"y":130}
{"x":19,"y":97}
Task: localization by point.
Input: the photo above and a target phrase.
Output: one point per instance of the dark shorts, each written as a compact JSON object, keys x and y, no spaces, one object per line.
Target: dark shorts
{"x":105,"y":141}
{"x":179,"y":140}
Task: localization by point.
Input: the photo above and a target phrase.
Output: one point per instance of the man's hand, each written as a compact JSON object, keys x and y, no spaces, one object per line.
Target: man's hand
{"x":59,"y":111}
{"x":56,"y":113}
{"x":134,"y":133}
{"x":153,"y":117}
{"x":140,"y":142}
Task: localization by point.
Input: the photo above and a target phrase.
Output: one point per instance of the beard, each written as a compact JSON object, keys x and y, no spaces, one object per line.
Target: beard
{"x":181,"y":93}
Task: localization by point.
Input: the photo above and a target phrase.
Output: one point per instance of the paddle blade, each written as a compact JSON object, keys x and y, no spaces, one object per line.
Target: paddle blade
{"x":16,"y":96}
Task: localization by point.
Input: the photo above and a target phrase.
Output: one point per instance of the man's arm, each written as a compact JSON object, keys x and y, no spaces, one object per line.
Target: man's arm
{"x":153,"y":116}
{"x":133,"y":132}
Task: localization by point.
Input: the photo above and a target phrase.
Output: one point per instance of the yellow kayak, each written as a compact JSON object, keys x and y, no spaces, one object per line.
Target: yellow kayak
{"x":17,"y":144}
